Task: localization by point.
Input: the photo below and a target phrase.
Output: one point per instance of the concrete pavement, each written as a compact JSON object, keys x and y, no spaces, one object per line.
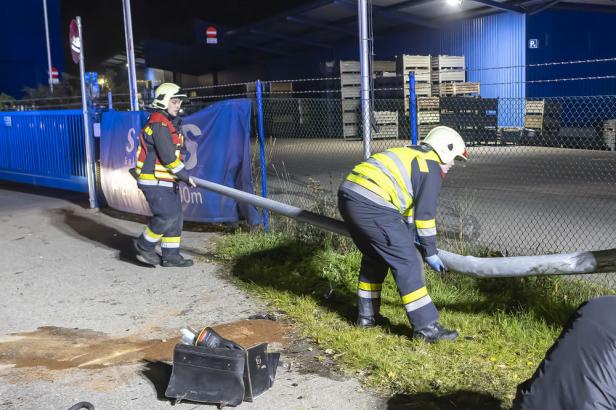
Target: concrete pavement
{"x":81,"y":320}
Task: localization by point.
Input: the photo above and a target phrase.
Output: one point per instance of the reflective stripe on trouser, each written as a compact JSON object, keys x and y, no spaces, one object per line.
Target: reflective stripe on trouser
{"x":167,"y":219}
{"x":386,"y":241}
{"x":371,"y":277}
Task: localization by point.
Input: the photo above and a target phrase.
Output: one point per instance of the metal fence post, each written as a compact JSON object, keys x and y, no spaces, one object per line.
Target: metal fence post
{"x":412,"y":108}
{"x":110,"y":100}
{"x":89,"y":143}
{"x":261,"y":135}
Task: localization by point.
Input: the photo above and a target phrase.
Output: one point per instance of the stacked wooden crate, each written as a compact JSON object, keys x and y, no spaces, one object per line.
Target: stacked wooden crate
{"x":543,"y":117}
{"x":421,"y":66}
{"x":428,"y":115}
{"x":386,"y":124}
{"x":449,"y":76}
{"x":609,"y":134}
{"x":350,"y":82}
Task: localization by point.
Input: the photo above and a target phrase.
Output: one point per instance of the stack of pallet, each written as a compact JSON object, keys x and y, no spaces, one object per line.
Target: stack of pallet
{"x":428,"y":115}
{"x":349,"y":72}
{"x":421,"y":67}
{"x":543,"y":117}
{"x":386,"y":124}
{"x":448,"y":77}
{"x":609,"y":134}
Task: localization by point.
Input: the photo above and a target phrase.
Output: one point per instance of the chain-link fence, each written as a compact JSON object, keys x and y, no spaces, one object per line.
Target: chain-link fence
{"x":541,"y":177}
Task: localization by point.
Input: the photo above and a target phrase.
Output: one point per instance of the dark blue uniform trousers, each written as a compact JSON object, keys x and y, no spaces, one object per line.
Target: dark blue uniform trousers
{"x":386,"y":241}
{"x":166,"y":222}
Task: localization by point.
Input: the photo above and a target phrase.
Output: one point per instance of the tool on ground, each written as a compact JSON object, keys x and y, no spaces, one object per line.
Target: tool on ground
{"x":219,"y":371}
{"x":497,"y":267}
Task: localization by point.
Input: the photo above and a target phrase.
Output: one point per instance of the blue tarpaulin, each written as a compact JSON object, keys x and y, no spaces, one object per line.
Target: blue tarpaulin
{"x":218,"y":149}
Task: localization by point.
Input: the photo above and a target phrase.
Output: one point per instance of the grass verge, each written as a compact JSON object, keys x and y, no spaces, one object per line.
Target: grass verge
{"x":506,"y":325}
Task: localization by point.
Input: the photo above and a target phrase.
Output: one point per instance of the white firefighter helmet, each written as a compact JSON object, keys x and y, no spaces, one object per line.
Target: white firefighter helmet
{"x":164,"y":93}
{"x":447,"y":144}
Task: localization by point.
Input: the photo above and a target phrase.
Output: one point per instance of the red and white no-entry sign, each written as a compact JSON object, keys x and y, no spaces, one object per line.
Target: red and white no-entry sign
{"x":55,"y":76}
{"x":211,"y":35}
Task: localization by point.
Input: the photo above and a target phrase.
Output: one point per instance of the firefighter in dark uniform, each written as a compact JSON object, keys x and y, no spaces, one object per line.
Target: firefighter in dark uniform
{"x":159,"y":169}
{"x":389,"y":204}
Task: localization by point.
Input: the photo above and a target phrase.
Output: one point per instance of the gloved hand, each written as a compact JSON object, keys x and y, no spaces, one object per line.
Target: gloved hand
{"x":436,"y":263}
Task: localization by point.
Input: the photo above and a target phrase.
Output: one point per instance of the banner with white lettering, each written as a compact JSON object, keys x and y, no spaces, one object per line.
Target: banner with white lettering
{"x":217,"y":141}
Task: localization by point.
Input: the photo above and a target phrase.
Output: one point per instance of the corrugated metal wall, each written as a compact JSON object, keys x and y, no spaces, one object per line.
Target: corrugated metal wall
{"x":570,"y":36}
{"x":493,"y":47}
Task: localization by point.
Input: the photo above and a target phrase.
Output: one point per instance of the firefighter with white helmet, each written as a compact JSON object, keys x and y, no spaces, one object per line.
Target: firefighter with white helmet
{"x":389,"y":204}
{"x":160,"y":168}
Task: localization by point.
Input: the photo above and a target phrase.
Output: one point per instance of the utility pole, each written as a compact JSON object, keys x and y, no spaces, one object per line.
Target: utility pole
{"x":130,"y":56}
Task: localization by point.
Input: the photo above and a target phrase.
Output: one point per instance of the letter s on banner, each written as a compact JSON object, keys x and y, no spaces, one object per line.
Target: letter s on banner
{"x":191,"y":145}
{"x":131,"y":140}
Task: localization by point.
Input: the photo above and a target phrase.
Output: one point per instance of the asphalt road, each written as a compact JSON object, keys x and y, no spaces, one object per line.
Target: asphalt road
{"x":520,"y":199}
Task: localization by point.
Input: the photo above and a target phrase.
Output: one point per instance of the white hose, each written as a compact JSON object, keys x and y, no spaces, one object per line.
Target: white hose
{"x":495,"y":267}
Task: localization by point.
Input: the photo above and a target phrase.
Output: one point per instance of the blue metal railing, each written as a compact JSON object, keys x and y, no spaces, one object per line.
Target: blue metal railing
{"x":44,"y":148}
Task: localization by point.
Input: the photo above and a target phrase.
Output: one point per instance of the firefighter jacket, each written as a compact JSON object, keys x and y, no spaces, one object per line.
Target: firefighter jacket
{"x":407,"y":179}
{"x":160,"y":151}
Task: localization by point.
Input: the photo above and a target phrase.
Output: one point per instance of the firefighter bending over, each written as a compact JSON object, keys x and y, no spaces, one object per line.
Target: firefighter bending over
{"x":389,"y":204}
{"x":159,"y":169}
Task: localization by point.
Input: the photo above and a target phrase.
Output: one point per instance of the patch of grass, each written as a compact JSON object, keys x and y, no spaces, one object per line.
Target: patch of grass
{"x":506,"y":325}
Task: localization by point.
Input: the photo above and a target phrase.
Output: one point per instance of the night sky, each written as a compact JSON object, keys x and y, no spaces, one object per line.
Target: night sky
{"x":170,"y":20}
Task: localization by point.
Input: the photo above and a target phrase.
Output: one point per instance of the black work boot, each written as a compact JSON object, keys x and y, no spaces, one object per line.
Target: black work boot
{"x":372,"y":321}
{"x":176,"y":261}
{"x":146,"y":256}
{"x":434,"y":332}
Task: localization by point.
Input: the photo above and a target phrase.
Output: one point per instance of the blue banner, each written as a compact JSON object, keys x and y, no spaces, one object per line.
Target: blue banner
{"x":218,"y":150}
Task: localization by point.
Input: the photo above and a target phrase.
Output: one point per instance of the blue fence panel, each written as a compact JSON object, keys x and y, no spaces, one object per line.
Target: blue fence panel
{"x":44,"y":148}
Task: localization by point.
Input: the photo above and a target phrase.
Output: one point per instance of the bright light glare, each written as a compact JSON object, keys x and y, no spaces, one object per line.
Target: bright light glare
{"x":454,"y":2}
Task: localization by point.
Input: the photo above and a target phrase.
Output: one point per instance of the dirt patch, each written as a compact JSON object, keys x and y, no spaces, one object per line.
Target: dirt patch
{"x":59,"y":348}
{"x":248,"y":333}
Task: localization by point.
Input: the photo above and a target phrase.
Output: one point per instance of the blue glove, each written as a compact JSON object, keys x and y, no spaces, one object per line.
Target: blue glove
{"x":435,"y":263}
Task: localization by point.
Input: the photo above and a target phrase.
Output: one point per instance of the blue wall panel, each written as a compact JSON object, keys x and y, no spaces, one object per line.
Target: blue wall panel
{"x":568,"y":36}
{"x":23,"y":56}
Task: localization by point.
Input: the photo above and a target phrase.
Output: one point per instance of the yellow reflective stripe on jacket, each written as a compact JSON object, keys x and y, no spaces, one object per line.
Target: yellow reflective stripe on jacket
{"x":150,"y":177}
{"x":388,"y":167}
{"x":430,"y":223}
{"x":413,"y":296}
{"x":426,"y":228}
{"x":423,"y":165}
{"x":174,"y":164}
{"x":389,"y":173}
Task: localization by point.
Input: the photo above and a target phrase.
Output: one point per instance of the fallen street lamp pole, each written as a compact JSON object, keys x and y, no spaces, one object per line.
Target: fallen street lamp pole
{"x":496,"y":267}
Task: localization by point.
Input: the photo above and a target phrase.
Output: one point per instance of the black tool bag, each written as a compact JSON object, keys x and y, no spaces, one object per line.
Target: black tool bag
{"x":221,"y":375}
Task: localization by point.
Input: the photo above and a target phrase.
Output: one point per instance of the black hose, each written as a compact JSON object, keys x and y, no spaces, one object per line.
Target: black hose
{"x":82,"y":405}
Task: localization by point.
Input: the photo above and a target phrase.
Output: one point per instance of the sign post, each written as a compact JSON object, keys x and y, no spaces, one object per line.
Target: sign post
{"x":76,"y":40}
{"x":49,"y":67}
